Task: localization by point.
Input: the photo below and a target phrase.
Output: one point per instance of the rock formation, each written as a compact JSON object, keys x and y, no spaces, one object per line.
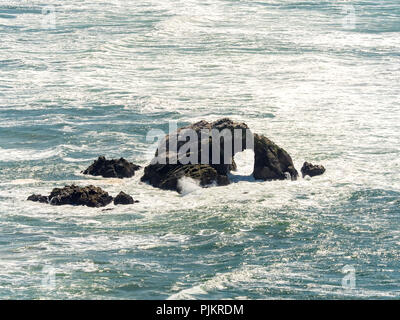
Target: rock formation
{"x":203,"y":151}
{"x":114,"y":168}
{"x":90,"y":196}
{"x":311,"y":170}
{"x":208,"y":155}
{"x":270,"y":161}
{"x":123,"y":198}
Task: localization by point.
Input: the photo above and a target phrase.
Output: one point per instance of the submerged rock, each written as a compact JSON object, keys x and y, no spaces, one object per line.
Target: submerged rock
{"x":311,"y":170}
{"x":38,"y":198}
{"x":211,"y":168}
{"x":123,"y":198}
{"x":114,"y":168}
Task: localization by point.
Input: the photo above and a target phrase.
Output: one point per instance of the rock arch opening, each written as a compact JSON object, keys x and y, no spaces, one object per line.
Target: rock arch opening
{"x":244,"y":162}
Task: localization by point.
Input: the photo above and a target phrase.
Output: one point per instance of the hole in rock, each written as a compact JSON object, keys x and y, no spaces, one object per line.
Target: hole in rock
{"x":244,"y":163}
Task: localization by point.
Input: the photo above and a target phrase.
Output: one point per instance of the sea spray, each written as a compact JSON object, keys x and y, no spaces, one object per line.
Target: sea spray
{"x":188,"y":185}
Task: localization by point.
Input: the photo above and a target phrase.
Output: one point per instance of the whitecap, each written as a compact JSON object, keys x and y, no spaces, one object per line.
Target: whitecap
{"x":13,"y":155}
{"x":188,"y":185}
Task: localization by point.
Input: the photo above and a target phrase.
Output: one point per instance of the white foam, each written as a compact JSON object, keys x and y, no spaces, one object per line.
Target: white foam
{"x":188,"y":185}
{"x":23,"y":181}
{"x":12,"y":155}
{"x":245,"y":162}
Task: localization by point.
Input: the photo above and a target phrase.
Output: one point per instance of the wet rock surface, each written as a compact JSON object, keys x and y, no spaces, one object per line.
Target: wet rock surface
{"x":114,"y":168}
{"x":308,"y":169}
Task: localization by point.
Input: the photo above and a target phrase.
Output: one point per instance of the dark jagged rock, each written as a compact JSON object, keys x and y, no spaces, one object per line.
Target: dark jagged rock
{"x":114,"y":168}
{"x":311,"y":170}
{"x":271,"y":161}
{"x":38,"y":198}
{"x":90,"y":196}
{"x":123,"y":198}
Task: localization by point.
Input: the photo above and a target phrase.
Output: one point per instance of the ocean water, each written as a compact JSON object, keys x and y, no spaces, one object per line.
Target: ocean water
{"x":79,"y":79}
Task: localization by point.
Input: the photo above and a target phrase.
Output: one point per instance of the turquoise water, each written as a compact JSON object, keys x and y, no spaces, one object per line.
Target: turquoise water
{"x":93,"y":78}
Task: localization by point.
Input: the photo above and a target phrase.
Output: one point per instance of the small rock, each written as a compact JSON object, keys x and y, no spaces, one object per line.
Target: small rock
{"x":114,"y":168}
{"x":123,"y":198}
{"x":38,"y":198}
{"x":311,"y":170}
